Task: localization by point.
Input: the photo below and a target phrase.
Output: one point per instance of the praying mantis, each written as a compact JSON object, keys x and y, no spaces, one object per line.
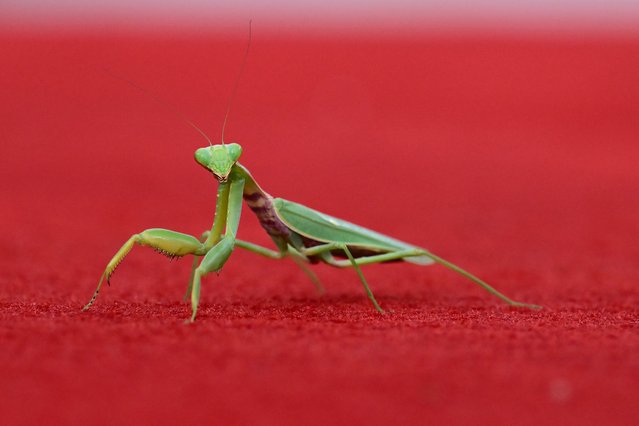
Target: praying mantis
{"x":300,"y":233}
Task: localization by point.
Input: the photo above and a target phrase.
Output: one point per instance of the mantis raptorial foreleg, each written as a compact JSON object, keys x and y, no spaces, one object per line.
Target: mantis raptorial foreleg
{"x":272,"y":254}
{"x":209,"y":238}
{"x":212,"y":262}
{"x":219,"y":253}
{"x":169,"y":243}
{"x":196,"y":261}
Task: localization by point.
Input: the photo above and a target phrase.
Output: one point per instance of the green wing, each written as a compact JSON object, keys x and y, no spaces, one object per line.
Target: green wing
{"x":322,"y":227}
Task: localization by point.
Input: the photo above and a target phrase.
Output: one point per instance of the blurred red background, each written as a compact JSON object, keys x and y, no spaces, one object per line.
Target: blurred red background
{"x":513,"y":156}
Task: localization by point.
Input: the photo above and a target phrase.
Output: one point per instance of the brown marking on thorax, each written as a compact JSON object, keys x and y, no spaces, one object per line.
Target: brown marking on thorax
{"x":262,"y":205}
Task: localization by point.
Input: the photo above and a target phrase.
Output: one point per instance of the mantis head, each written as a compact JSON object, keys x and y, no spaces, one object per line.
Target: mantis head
{"x":219,"y":159}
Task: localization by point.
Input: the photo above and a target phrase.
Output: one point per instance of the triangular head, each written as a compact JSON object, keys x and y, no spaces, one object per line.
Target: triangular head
{"x":219,"y":159}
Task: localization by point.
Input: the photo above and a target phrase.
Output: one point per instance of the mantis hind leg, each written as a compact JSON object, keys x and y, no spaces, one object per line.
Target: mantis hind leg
{"x":402,"y":254}
{"x":170,"y":243}
{"x":324,"y":251}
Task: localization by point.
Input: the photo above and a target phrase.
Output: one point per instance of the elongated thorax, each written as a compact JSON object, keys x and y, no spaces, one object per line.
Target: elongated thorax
{"x":261,"y":203}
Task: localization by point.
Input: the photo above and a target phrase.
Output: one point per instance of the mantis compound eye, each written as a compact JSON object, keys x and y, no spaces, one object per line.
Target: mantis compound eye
{"x":234,"y":151}
{"x":203,"y":156}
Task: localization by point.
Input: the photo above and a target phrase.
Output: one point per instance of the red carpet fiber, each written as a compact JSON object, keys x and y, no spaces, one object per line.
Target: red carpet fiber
{"x":514,"y":158}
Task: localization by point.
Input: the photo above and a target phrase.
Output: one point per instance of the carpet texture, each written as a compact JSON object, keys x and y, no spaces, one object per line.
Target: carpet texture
{"x":514,"y":158}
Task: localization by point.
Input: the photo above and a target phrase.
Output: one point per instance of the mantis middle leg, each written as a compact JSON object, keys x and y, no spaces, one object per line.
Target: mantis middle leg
{"x":297,"y":257}
{"x":324,"y":251}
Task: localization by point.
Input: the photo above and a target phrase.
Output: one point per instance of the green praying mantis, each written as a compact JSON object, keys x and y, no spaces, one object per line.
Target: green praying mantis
{"x":300,"y":233}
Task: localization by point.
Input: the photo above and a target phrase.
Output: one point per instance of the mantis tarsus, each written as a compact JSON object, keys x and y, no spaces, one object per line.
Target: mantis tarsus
{"x":304,"y":235}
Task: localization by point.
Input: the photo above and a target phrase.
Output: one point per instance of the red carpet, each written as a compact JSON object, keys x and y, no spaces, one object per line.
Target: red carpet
{"x":516,"y":159}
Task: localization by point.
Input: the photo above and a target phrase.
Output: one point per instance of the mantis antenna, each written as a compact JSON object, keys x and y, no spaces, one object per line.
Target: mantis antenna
{"x":237,"y":82}
{"x":167,"y":105}
{"x":160,"y":101}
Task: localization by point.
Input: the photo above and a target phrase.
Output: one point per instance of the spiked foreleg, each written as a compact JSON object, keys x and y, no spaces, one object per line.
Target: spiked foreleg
{"x":169,"y":243}
{"x":217,"y":256}
{"x":194,"y":264}
{"x":210,"y":238}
